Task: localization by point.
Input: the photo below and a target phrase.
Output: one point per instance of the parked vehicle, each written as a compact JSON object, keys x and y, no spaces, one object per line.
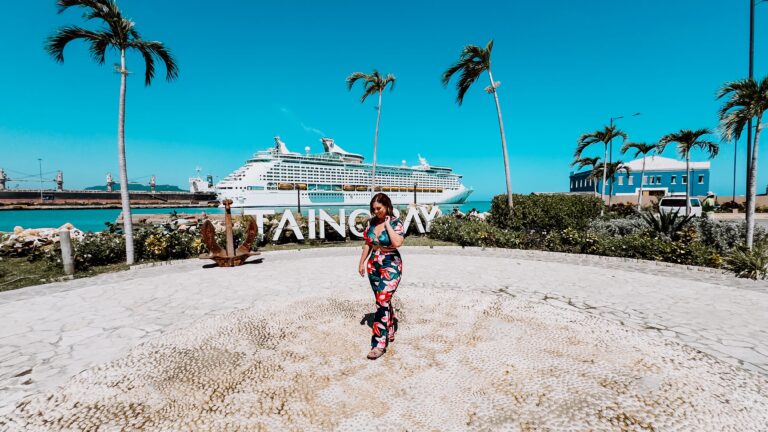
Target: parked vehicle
{"x":676,"y":203}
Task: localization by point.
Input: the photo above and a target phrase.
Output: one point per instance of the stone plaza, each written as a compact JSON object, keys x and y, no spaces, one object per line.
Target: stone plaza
{"x":489,"y":339}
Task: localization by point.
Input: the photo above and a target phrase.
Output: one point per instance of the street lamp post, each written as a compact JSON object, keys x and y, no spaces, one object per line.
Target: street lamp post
{"x":40,"y":164}
{"x":610,"y":147}
{"x":414,"y":193}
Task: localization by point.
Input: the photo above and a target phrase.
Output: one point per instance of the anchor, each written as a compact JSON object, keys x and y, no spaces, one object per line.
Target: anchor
{"x":230,"y":257}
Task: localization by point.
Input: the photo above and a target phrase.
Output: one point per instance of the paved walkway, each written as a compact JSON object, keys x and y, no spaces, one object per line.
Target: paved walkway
{"x":49,"y":334}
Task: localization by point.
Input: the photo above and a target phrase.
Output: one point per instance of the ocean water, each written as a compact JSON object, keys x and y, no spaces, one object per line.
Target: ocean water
{"x":94,"y":219}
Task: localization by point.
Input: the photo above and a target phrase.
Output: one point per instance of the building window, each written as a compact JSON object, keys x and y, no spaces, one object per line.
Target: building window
{"x":621,"y":181}
{"x":685,"y":179}
{"x":645,"y":180}
{"x":658,"y":179}
{"x":651,"y":178}
{"x":701,"y":178}
{"x":673,"y":180}
{"x":630,"y":180}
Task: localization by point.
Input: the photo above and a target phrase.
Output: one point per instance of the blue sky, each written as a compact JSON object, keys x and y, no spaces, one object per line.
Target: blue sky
{"x":252,"y":70}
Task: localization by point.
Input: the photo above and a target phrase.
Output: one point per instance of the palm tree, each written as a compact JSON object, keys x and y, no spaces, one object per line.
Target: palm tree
{"x":605,"y":136}
{"x":747,"y":100}
{"x":610,"y":170}
{"x":473,"y":61}
{"x":372,"y":83}
{"x":590,"y":162}
{"x":688,"y":140}
{"x":120,"y":34}
{"x":640,"y":149}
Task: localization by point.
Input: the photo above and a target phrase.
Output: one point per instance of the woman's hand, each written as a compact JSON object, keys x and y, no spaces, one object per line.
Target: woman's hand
{"x":361,"y":269}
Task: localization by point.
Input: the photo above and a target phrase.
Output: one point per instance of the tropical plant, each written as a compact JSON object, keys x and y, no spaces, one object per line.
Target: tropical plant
{"x":749,"y":262}
{"x":688,"y":140}
{"x":119,"y":34}
{"x":473,"y":62}
{"x":669,"y":224}
{"x":746,"y":100}
{"x":373,"y":83}
{"x":604,"y":136}
{"x":609,"y":171}
{"x":590,"y":162}
{"x":640,"y":149}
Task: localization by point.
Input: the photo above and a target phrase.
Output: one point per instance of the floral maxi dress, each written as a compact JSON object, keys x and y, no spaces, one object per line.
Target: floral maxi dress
{"x":384,"y":272}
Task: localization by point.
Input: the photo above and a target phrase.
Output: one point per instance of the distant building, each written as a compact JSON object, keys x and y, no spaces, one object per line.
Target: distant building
{"x":662,"y":176}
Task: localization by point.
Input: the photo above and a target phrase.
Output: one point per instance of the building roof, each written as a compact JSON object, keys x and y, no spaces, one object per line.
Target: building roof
{"x":660,"y":163}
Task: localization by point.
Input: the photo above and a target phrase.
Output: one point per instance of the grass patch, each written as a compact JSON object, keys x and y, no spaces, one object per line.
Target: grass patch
{"x":19,"y":272}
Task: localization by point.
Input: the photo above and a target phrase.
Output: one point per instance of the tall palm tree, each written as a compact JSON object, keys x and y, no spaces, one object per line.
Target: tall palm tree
{"x":746,"y":100}
{"x":473,"y":61}
{"x":610,"y":170}
{"x":688,"y":140}
{"x":372,"y":83}
{"x":590,"y":162}
{"x":119,"y":33}
{"x":640,"y":149}
{"x":604,"y":136}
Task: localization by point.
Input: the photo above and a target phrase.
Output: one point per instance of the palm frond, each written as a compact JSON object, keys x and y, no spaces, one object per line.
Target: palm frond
{"x":472,"y":62}
{"x":151,"y":49}
{"x":56,"y":43}
{"x":688,"y":140}
{"x":746,"y":99}
{"x":639,"y":148}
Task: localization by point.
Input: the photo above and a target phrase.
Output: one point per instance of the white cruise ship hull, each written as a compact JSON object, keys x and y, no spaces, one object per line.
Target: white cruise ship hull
{"x":291,"y":198}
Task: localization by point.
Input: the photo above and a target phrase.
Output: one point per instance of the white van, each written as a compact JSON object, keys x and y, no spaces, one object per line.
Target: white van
{"x":676,"y":203}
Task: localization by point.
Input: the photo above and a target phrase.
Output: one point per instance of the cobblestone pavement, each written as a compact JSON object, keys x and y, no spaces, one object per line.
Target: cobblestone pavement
{"x":50,"y":333}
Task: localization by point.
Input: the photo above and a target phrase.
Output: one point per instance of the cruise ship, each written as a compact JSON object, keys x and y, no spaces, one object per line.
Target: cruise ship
{"x":282,"y":178}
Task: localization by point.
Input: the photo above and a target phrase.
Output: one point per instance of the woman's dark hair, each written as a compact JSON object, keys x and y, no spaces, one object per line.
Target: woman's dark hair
{"x":384,"y":200}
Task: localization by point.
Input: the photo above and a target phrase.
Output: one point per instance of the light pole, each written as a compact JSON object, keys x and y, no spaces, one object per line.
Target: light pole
{"x":40,"y":164}
{"x":610,"y":149}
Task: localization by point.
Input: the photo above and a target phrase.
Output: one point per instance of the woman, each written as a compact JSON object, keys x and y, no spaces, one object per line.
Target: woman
{"x":383,"y":235}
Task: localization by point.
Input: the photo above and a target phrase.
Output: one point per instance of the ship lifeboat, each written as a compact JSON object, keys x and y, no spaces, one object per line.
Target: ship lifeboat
{"x":439,"y":190}
{"x":301,"y":186}
{"x":404,"y":189}
{"x":386,"y":189}
{"x":379,"y":189}
{"x":361,"y":188}
{"x":348,"y":188}
{"x":285,"y":186}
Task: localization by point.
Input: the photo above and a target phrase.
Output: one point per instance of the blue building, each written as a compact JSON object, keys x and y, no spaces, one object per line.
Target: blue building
{"x":662,"y":176}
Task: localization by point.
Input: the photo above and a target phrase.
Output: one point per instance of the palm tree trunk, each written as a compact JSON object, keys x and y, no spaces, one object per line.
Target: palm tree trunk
{"x":605,"y":172}
{"x":687,"y":182}
{"x":124,"y":196}
{"x":751,"y":182}
{"x":640,"y":196}
{"x":503,"y":141}
{"x":375,"y":144}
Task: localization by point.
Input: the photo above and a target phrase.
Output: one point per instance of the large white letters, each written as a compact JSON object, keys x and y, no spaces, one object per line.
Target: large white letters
{"x":288,"y":218}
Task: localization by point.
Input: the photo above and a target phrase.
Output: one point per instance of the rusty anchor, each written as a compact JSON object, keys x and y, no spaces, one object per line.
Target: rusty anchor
{"x":230,"y":257}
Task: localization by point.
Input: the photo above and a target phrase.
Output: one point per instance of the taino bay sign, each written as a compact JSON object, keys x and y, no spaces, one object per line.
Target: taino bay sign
{"x":319,"y":222}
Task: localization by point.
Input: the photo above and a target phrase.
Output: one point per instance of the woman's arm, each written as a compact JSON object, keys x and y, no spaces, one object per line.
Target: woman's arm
{"x":395,"y":236}
{"x":363,"y":257}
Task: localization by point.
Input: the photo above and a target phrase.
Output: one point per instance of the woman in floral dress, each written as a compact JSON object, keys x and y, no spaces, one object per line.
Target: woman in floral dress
{"x":381,"y":261}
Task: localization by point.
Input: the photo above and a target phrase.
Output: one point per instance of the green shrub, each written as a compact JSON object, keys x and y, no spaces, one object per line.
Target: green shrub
{"x":640,"y":245}
{"x":668,"y":225}
{"x":752,"y":264}
{"x":618,"y":227}
{"x":545,"y":212}
{"x":164,"y":242}
{"x":622,"y":210}
{"x":95,"y":249}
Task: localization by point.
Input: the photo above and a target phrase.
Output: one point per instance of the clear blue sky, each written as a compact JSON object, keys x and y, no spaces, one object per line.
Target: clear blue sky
{"x":252,"y":70}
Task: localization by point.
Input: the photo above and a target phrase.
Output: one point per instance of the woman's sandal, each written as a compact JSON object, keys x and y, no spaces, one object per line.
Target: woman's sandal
{"x":376,"y":353}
